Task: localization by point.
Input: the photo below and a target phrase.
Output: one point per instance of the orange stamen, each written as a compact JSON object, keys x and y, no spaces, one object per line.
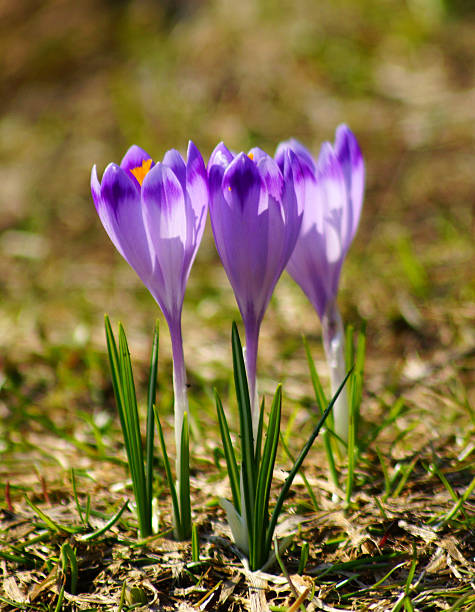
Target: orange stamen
{"x":251,"y":156}
{"x":141,"y":171}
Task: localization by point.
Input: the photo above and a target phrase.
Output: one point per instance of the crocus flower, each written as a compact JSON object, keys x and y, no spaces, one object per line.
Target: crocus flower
{"x":333,"y":202}
{"x":155,"y":214}
{"x":256,"y":212}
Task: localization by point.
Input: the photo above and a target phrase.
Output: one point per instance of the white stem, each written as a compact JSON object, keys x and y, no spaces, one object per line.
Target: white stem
{"x":179,"y":387}
{"x":334,"y":344}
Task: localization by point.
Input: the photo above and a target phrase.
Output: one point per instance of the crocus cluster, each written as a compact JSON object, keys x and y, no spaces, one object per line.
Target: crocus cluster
{"x":267,"y":214}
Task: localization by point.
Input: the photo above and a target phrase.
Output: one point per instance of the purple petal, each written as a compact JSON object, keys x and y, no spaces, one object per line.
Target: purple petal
{"x":240,"y":222}
{"x":134,"y":158}
{"x":120,"y":211}
{"x":243,"y":187}
{"x":351,"y":159}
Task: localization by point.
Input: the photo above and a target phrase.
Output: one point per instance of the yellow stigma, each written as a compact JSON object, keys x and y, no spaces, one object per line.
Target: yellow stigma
{"x":141,"y":171}
{"x":251,"y":156}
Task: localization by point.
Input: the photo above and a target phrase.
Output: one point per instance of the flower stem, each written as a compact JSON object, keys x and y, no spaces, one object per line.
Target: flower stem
{"x":334,"y":344}
{"x":179,"y":386}
{"x":252,"y":328}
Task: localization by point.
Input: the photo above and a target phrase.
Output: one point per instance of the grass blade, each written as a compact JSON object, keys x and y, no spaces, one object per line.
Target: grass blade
{"x":259,"y":554}
{"x":184,"y":480}
{"x":231,"y":463}
{"x":258,"y":444}
{"x":133,"y":438}
{"x":248,"y":470}
{"x":110,"y":523}
{"x":150,"y":430}
{"x":168,"y":472}
{"x":303,"y":453}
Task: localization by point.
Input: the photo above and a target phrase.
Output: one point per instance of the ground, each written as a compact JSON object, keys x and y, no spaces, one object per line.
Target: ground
{"x":81,"y":82}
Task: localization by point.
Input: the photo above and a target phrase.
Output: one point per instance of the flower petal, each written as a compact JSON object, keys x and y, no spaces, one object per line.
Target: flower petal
{"x":134,"y":158}
{"x":166,"y":225}
{"x":337,"y":221}
{"x":302,"y":153}
{"x":121,"y":214}
{"x":243,"y":186}
{"x":221,"y":156}
{"x":351,"y":160}
{"x":175,"y":161}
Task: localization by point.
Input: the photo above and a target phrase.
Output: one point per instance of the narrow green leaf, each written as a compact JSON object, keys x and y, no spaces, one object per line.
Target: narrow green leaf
{"x":259,"y":554}
{"x":76,"y":498}
{"x":133,"y":438}
{"x":248,"y":470}
{"x":168,"y":472}
{"x":321,"y":400}
{"x":110,"y":523}
{"x":184,"y":481}
{"x":351,"y":445}
{"x":231,"y":463}
{"x":115,"y":372}
{"x":150,"y":430}
{"x":258,"y":445}
{"x":317,"y":385}
{"x":68,"y":557}
{"x":195,"y":545}
{"x":52,"y":525}
{"x":297,"y":465}
{"x":59,"y":603}
{"x":303,"y":558}
{"x":349,"y":347}
{"x":310,"y":492}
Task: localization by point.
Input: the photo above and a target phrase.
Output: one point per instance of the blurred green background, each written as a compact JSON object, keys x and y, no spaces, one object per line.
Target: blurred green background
{"x":83,"y":80}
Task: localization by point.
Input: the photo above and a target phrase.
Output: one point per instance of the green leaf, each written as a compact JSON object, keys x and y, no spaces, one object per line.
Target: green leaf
{"x":231,"y":463}
{"x":297,"y":465}
{"x":259,"y":554}
{"x":133,"y":438}
{"x":195,"y":545}
{"x":248,"y":469}
{"x":322,"y":402}
{"x":170,"y":480}
{"x":317,"y":385}
{"x":258,"y":445}
{"x":184,"y":480}
{"x":110,"y":523}
{"x":150,"y":430}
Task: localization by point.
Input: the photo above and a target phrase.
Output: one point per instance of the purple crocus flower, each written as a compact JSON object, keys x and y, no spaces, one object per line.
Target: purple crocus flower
{"x":333,"y":203}
{"x":155,"y":214}
{"x":256,"y":212}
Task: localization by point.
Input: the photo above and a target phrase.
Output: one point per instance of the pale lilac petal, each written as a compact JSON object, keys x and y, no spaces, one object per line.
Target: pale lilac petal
{"x":221,"y":156}
{"x":175,"y":162}
{"x":270,"y":172}
{"x":197,"y":197}
{"x":134,"y":158}
{"x":337,"y":221}
{"x":302,"y":153}
{"x":351,"y":159}
{"x":165,"y":221}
